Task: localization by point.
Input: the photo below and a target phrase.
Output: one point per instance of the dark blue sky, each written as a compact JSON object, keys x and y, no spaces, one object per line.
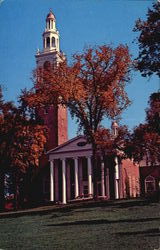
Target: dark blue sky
{"x":80,"y":23}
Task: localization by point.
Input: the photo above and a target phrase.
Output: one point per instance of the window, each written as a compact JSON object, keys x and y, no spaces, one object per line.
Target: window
{"x":48,"y":42}
{"x":150,"y":184}
{"x":53,"y":42}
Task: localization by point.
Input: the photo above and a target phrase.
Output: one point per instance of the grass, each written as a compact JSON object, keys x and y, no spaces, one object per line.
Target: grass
{"x":119,"y":225}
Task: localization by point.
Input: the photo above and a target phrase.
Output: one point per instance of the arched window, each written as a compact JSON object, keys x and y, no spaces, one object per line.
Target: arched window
{"x":53,"y":42}
{"x":150,"y":185}
{"x":48,"y":42}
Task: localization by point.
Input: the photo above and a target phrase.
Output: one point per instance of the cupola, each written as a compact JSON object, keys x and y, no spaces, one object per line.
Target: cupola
{"x":51,"y":34}
{"x":50,"y":21}
{"x":114,"y":127}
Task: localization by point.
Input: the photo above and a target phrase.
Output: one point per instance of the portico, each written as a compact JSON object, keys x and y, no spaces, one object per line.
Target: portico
{"x":71,"y":171}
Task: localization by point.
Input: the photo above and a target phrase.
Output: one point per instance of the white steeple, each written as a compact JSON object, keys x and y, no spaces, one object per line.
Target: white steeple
{"x":51,"y":51}
{"x":51,"y":34}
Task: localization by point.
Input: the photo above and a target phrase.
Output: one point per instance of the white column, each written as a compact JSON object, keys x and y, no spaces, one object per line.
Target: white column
{"x":89,"y":176}
{"x":56,"y":167}
{"x":116,"y":179}
{"x":80,"y":178}
{"x":51,"y":181}
{"x":68,"y":182}
{"x":102,"y":179}
{"x":76,"y":177}
{"x":64,"y":201}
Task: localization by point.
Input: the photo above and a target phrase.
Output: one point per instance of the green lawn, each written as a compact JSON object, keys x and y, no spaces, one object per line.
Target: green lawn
{"x":121,"y":225}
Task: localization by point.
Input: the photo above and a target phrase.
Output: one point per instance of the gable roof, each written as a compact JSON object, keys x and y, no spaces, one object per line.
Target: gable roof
{"x":76,"y":146}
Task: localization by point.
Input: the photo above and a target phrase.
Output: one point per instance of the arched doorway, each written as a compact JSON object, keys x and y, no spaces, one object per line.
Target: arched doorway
{"x":150,"y":185}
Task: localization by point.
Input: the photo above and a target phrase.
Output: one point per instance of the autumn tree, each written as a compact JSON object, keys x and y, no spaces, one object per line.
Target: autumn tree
{"x":113,"y":143}
{"x":92,"y":87}
{"x":148,"y":61}
{"x":145,"y":140}
{"x":22,"y":141}
{"x":153,"y":112}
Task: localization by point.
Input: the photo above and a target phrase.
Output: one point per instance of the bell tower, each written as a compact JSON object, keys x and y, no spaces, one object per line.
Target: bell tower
{"x":55,"y":117}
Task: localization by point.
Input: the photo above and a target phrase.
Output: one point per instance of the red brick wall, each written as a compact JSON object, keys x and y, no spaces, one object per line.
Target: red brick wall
{"x":55,"y":118}
{"x":129,"y":184}
{"x":62,"y":125}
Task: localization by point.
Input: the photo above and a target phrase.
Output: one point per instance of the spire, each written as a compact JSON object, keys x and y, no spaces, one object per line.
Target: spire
{"x":51,"y":34}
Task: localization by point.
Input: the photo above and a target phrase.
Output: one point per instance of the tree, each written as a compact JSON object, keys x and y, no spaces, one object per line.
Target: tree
{"x":113,"y":143}
{"x":148,"y":62}
{"x":153,"y":112}
{"x":93,"y":87}
{"x":22,"y":141}
{"x":145,"y":140}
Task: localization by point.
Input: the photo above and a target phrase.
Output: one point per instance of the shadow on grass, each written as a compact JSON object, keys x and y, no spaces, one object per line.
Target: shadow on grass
{"x":59,"y":215}
{"x":79,"y":205}
{"x":96,"y":222}
{"x":150,"y":232}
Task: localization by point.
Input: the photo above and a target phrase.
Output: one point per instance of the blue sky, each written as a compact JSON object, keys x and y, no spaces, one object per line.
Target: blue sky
{"x":80,"y":23}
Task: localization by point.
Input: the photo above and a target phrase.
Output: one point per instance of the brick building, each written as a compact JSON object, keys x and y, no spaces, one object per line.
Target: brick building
{"x":68,"y":173}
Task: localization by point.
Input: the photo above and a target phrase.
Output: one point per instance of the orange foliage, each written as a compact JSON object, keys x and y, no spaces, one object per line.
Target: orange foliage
{"x":92,"y":87}
{"x":22,"y":139}
{"x":110,"y":144}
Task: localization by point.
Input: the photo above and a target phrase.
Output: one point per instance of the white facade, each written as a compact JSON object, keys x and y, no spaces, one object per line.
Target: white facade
{"x":74,"y":158}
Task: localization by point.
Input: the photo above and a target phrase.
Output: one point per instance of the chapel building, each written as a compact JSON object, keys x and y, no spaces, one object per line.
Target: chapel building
{"x":68,"y":175}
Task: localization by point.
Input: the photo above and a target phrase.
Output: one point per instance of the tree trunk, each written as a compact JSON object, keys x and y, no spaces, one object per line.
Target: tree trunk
{"x":2,"y":197}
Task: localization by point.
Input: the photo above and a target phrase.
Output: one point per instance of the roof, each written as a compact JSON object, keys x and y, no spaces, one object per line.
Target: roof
{"x":50,"y":15}
{"x":77,"y":146}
